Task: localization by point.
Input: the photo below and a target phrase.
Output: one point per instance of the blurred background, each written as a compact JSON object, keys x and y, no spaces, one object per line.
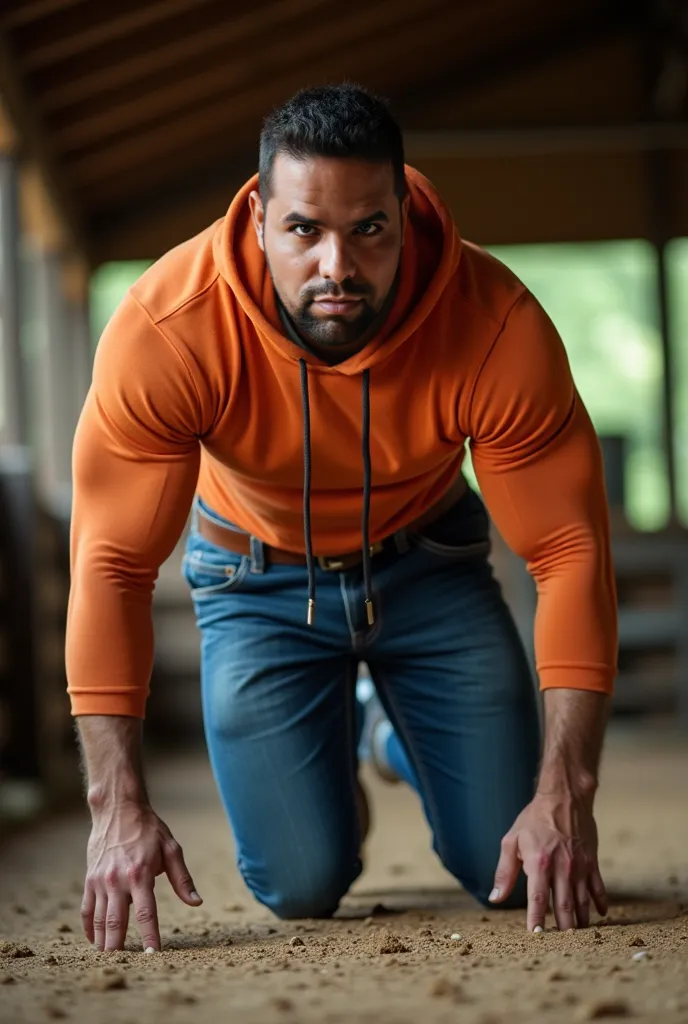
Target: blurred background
{"x":557,"y":133}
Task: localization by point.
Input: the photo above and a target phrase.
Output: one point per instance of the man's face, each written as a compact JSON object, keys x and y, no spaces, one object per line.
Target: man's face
{"x":331,"y":232}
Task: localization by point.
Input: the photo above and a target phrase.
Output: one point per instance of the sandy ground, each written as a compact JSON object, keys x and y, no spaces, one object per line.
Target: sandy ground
{"x":390,"y":957}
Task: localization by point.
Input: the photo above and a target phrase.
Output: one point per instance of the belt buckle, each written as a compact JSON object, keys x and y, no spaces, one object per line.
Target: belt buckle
{"x":330,"y":564}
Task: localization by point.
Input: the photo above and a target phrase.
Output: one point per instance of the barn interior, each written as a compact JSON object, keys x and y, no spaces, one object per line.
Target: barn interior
{"x":558,"y":136}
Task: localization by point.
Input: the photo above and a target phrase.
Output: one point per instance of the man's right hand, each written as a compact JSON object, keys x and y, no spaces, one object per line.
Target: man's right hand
{"x":128,"y":848}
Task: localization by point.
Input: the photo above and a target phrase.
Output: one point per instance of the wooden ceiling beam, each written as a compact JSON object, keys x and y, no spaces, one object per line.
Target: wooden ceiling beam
{"x":418,"y":41}
{"x":137,"y":63}
{"x":75,"y":41}
{"x":27,"y":12}
{"x":548,"y":45}
{"x":34,"y":145}
{"x":571,"y":31}
{"x":185,"y":86}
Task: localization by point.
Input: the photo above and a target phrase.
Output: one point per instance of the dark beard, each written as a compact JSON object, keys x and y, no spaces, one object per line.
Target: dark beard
{"x":315,"y":331}
{"x":335,"y":330}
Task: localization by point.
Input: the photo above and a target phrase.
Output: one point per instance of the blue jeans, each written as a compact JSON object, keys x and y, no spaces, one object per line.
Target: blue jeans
{"x":280,"y":717}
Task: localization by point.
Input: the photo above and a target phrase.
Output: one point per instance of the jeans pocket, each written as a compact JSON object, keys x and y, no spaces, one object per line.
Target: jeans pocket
{"x":208,"y":573}
{"x":461,"y":534}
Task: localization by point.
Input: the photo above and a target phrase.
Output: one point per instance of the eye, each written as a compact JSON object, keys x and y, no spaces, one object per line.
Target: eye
{"x":369,"y":228}
{"x":303,"y":230}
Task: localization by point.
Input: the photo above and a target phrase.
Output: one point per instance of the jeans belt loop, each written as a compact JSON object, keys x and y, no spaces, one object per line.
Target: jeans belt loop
{"x":401,"y":541}
{"x":257,"y":556}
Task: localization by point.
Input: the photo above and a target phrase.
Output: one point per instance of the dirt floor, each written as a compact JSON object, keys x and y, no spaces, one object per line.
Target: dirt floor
{"x":408,"y":945}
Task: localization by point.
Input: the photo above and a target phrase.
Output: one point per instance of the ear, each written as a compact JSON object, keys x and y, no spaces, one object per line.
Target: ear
{"x":257,"y":216}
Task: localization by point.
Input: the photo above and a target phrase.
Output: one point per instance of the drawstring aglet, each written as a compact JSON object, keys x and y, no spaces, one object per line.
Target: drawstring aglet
{"x":310,"y":619}
{"x":370,"y":612}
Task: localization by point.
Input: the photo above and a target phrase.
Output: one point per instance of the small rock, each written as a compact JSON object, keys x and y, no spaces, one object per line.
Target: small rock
{"x":64,"y":929}
{"x":296,"y":941}
{"x":386,"y":942}
{"x":15,"y":951}
{"x":368,"y":921}
{"x":444,"y":988}
{"x":465,"y":949}
{"x":108,"y":980}
{"x":603,"y":1008}
{"x":18,"y":908}
{"x":556,"y":975}
{"x":456,"y":937}
{"x":636,"y":941}
{"x":50,"y":960}
{"x":282,"y":1005}
{"x":641,"y":955}
{"x":7,"y":979}
{"x":425,"y":933}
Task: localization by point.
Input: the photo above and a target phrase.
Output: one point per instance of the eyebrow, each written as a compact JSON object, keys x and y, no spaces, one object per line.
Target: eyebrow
{"x":298,"y":218}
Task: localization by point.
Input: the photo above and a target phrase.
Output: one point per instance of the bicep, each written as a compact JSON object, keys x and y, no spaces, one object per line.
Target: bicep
{"x":130,"y":502}
{"x":550,"y":498}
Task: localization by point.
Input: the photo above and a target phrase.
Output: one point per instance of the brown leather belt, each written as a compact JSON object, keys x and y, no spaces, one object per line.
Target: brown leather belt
{"x":240,"y":543}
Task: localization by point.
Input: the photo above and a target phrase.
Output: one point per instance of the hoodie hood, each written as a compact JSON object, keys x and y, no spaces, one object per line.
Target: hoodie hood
{"x":430,"y":256}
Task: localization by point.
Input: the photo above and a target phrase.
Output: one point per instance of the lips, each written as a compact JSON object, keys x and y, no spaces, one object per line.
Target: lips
{"x":336,"y":306}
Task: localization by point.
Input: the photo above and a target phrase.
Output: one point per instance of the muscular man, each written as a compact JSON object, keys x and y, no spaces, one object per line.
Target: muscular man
{"x":303,"y":375}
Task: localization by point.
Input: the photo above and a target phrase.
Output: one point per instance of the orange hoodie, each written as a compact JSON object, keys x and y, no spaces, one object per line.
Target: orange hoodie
{"x":197,"y":389}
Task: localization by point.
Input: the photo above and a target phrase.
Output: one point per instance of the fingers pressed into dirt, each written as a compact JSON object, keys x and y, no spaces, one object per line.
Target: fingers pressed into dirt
{"x":598,"y":891}
{"x":563,"y":902}
{"x":88,"y":906}
{"x":117,"y":920}
{"x":538,"y":896}
{"x":146,"y":915}
{"x":99,"y":919}
{"x":507,"y":871}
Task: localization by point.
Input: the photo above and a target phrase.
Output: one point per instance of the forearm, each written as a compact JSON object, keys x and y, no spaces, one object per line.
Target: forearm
{"x":111,"y":751}
{"x":575,"y":723}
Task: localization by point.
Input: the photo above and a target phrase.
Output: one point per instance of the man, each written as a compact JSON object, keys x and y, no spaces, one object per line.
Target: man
{"x":305,"y":373}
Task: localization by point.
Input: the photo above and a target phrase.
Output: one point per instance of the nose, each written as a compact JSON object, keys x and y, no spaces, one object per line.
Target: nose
{"x":336,"y":261}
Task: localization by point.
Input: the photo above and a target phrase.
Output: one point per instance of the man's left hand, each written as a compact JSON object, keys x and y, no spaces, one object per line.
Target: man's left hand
{"x":555,"y":840}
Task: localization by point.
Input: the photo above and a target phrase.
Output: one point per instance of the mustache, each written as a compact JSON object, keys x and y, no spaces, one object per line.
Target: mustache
{"x":333,"y":291}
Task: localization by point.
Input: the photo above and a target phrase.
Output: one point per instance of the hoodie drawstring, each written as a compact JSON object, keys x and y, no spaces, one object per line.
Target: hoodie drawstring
{"x":367,"y":478}
{"x":367,"y":475}
{"x":305,"y":402}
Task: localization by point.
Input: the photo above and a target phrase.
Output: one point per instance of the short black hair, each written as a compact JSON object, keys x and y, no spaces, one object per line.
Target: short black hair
{"x":345,"y":121}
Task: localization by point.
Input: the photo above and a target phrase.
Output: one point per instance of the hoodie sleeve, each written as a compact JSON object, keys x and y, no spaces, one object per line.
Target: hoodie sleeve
{"x":539,"y":465}
{"x":135,"y":465}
